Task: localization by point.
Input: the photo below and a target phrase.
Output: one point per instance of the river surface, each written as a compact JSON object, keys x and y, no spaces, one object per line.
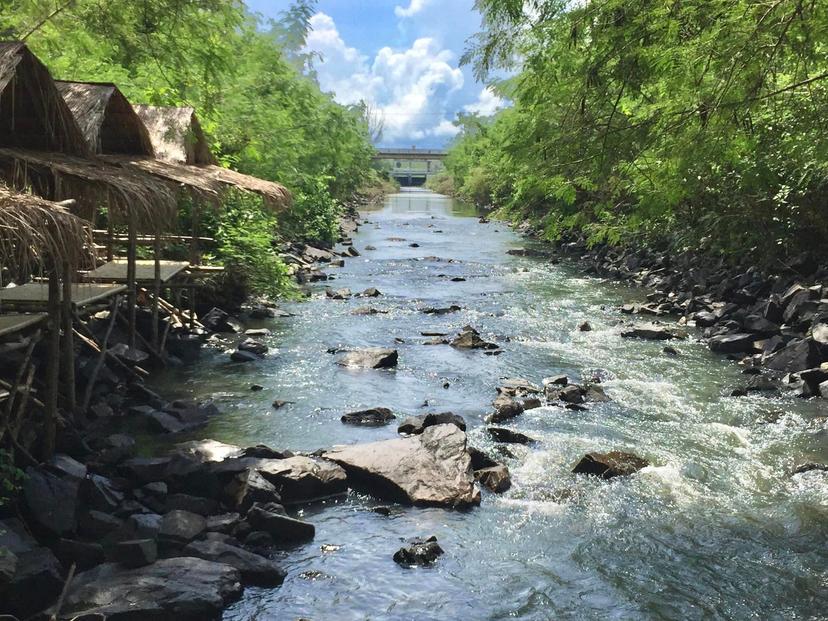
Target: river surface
{"x":715,"y":528}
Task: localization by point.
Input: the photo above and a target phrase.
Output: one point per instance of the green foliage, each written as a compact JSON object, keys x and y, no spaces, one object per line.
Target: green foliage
{"x":700,"y":123}
{"x":245,"y":229}
{"x":315,"y":216}
{"x":10,"y":477}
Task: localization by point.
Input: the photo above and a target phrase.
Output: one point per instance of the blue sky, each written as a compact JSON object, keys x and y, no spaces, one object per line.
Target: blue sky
{"x":401,"y":56}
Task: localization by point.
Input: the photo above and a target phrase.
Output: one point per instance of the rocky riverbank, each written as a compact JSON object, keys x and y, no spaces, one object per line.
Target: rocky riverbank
{"x":775,"y":325}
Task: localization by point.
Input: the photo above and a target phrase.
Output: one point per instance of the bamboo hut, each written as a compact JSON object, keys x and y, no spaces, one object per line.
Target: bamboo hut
{"x":33,"y":232}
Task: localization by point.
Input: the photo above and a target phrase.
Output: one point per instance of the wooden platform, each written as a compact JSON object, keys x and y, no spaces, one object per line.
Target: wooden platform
{"x":116,"y":271}
{"x":35,"y":295}
{"x":10,"y":324}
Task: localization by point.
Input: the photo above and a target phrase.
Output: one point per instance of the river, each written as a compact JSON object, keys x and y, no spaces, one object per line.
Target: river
{"x":715,"y":528}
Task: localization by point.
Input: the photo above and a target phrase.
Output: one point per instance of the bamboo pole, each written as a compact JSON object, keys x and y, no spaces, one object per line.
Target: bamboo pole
{"x":156,"y":290}
{"x":87,"y":397}
{"x":18,"y":380}
{"x":68,"y":340}
{"x":53,"y":365}
{"x":132,"y":292}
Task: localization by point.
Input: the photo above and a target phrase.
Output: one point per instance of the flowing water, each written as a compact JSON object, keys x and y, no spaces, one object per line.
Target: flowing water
{"x":715,"y":528}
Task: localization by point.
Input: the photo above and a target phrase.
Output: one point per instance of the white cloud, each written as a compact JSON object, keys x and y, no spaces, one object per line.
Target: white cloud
{"x":414,"y":7}
{"x":488,"y":102}
{"x":410,"y":89}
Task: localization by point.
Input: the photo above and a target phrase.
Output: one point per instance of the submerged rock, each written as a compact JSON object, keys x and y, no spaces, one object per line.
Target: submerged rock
{"x":421,"y":552}
{"x":433,"y":468}
{"x":609,"y":465}
{"x":373,"y":417}
{"x":185,"y":589}
{"x":372,"y":358}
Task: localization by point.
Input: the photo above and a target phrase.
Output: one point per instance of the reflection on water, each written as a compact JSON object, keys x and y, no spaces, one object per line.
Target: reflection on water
{"x":714,"y":529}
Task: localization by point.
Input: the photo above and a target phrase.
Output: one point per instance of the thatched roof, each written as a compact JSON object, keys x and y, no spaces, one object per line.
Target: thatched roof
{"x":106,"y":118}
{"x":178,"y":139}
{"x":94,"y":183}
{"x":33,"y":230}
{"x":33,"y":115}
{"x":176,"y":134}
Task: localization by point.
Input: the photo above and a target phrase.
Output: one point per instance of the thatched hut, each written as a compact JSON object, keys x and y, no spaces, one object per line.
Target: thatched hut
{"x":180,"y":144}
{"x":33,"y":115}
{"x":176,"y":134}
{"x":106,"y":118}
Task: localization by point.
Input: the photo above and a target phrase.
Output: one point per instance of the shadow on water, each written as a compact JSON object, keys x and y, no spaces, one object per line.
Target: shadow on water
{"x":714,"y":529}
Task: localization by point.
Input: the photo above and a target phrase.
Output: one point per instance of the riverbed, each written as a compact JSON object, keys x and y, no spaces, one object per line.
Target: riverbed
{"x":715,"y":528}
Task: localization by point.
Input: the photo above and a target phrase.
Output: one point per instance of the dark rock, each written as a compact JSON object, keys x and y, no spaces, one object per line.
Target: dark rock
{"x":556,"y":380}
{"x":280,"y":527}
{"x":243,"y":356}
{"x":181,"y":527}
{"x":279,"y":404}
{"x":732,"y":343}
{"x":100,"y":494}
{"x":572,"y":394}
{"x":797,"y":355}
{"x":248,"y":488}
{"x":759,"y":325}
{"x":441,"y":310}
{"x":96,"y":525}
{"x":496,"y":478}
{"x":114,"y":448}
{"x":373,"y":358}
{"x":373,"y":417}
{"x":469,"y":338}
{"x":258,"y":539}
{"x":51,"y":501}
{"x":133,"y":553}
{"x":195,"y":504}
{"x":585,"y":327}
{"x":144,"y":470}
{"x":129,"y":355}
{"x":254,"y":569}
{"x":670,"y":351}
{"x":185,"y":589}
{"x":499,"y":434}
{"x":31,"y":573}
{"x":595,"y":394}
{"x":705,"y":319}
{"x":506,"y":410}
{"x":433,"y":468}
{"x":66,"y":467}
{"x":416,"y":424}
{"x":809,"y":467}
{"x":85,"y":554}
{"x":813,"y":379}
{"x":480,"y":460}
{"x":223,"y":523}
{"x":371,"y":292}
{"x":351,"y":251}
{"x":609,"y":465}
{"x":144,"y":525}
{"x":421,"y":552}
{"x":216,"y":320}
{"x":253,"y":346}
{"x":338,"y":294}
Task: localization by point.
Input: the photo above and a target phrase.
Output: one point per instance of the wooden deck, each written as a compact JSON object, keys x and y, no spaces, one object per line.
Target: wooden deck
{"x":116,"y":271}
{"x":35,"y":295}
{"x":10,"y":324}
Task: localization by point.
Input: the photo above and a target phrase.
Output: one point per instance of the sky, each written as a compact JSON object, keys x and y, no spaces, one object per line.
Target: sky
{"x":400,"y":56}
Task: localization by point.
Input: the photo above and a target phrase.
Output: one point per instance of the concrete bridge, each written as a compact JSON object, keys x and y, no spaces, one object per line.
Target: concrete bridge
{"x":411,"y":167}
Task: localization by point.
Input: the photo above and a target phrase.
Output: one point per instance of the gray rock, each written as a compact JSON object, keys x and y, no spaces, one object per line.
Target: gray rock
{"x":66,"y":467}
{"x":195,"y":504}
{"x":595,"y":394}
{"x":100,"y":494}
{"x":798,"y":355}
{"x":338,"y":294}
{"x":254,"y":569}
{"x":371,"y":292}
{"x":654,"y":332}
{"x":556,"y":380}
{"x":85,"y":554}
{"x":282,"y":528}
{"x":469,"y":338}
{"x":506,"y":410}
{"x":185,"y":589}
{"x":144,"y":525}
{"x":416,"y":424}
{"x":31,"y":573}
{"x":180,"y":527}
{"x":572,"y":394}
{"x":372,"y":358}
{"x":51,"y":501}
{"x":95,"y":524}
{"x":249,"y":487}
{"x":433,"y":468}
{"x":610,"y":465}
{"x":304,"y":479}
{"x":243,"y":356}
{"x":373,"y":417}
{"x":223,"y":523}
{"x":253,"y":346}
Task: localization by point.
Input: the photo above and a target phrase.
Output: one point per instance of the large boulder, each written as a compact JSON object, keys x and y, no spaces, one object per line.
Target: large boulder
{"x":184,"y":589}
{"x":797,"y":355}
{"x":254,"y":569}
{"x":739,"y":343}
{"x":180,"y":527}
{"x":270,"y":518}
{"x":433,"y":468}
{"x":249,"y":487}
{"x":610,"y":465}
{"x":304,"y":479}
{"x":371,"y":358}
{"x":496,"y":478}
